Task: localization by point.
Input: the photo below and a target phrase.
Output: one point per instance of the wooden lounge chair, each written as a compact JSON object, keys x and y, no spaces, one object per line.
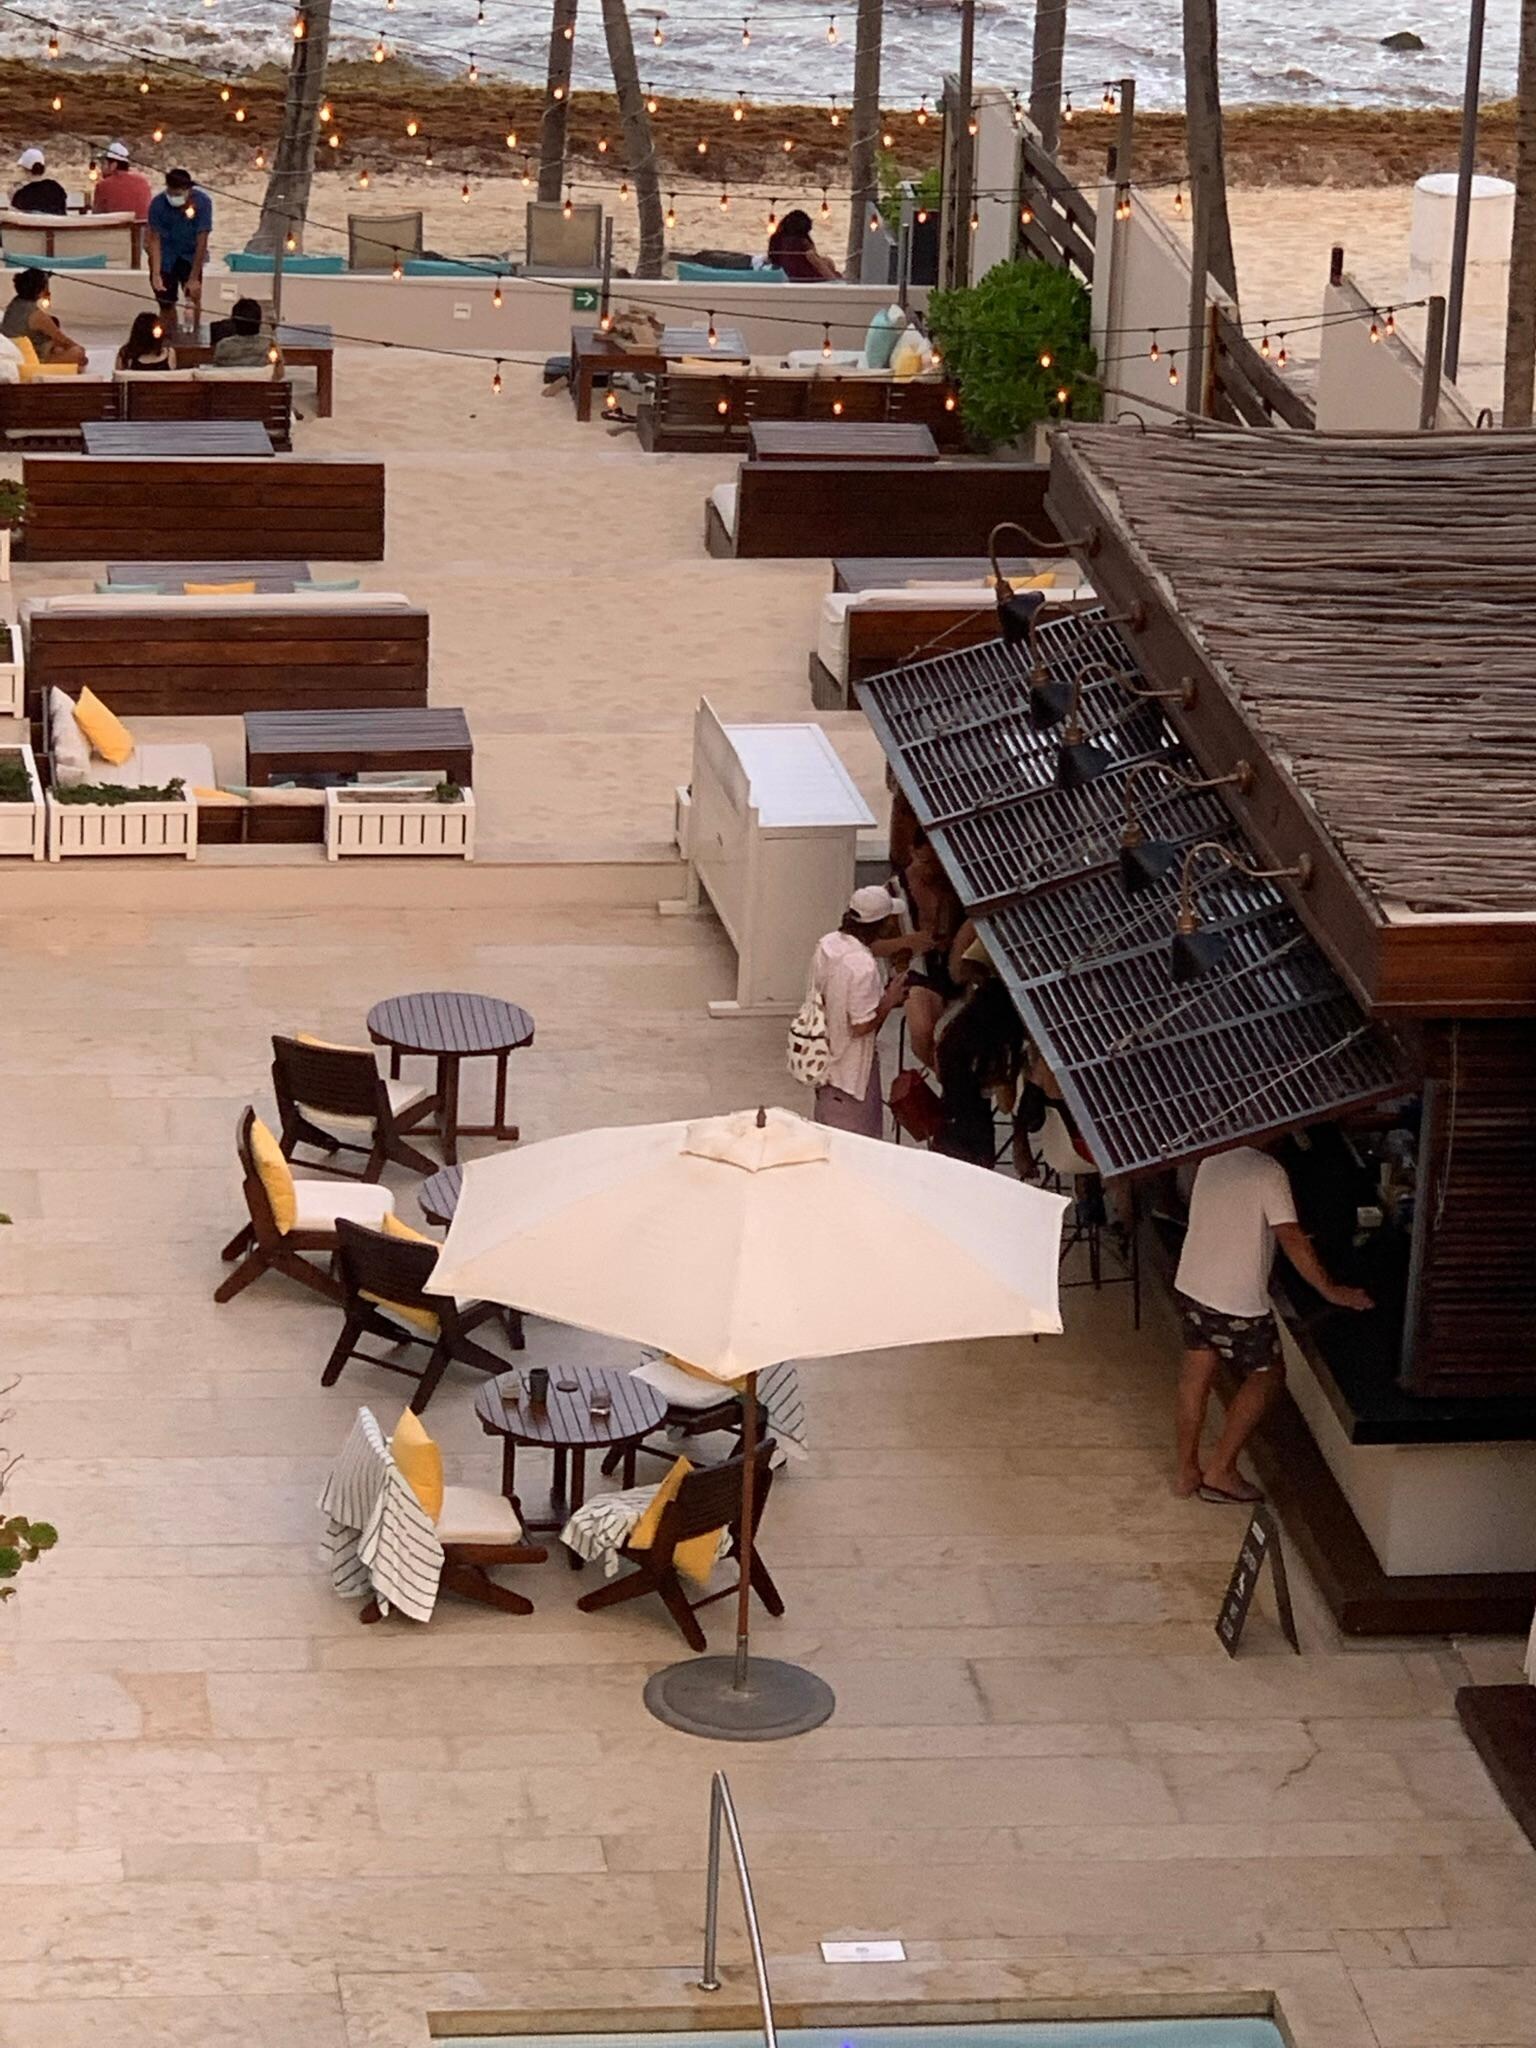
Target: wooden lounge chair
{"x":383,"y":1290}
{"x":707,"y":1499}
{"x":695,"y":1407}
{"x":332,"y":1096}
{"x":262,"y":1247}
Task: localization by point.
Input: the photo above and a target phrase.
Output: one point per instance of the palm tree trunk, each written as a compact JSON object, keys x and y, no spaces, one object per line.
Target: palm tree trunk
{"x":557,"y":100}
{"x":286,"y":201}
{"x":865,"y":124}
{"x":1520,"y":323}
{"x":1207,"y":155}
{"x":1046,"y":69}
{"x":639,"y":145}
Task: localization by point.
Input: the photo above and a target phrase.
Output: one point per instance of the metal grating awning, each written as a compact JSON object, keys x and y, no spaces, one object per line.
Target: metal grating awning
{"x":1153,"y":1070}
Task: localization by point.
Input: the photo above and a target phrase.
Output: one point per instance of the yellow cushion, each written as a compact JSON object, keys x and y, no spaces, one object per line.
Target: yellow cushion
{"x":420,"y":1461}
{"x":25,"y":349}
{"x":275,"y":1175}
{"x":710,"y":1379}
{"x":909,"y":358}
{"x":329,"y":1044}
{"x":421,"y":1319}
{"x":106,"y":732}
{"x":695,"y":1559}
{"x":216,"y":796}
{"x":219,"y":589}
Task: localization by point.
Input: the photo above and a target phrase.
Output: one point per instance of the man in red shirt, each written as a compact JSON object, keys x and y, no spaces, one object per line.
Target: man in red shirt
{"x":120,"y":189}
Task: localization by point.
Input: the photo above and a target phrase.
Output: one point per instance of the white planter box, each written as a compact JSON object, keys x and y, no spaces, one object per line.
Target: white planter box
{"x":368,"y":821}
{"x":5,"y":554}
{"x":135,"y":829}
{"x":12,"y":671}
{"x":23,"y":826}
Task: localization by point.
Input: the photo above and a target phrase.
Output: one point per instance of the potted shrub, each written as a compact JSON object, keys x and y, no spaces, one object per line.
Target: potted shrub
{"x":1014,"y":343}
{"x":13,"y":510}
{"x":21,"y":804}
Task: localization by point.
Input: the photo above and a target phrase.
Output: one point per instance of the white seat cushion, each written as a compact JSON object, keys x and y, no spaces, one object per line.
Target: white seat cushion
{"x":470,"y":1515}
{"x":723,"y":498}
{"x":318,"y":1203}
{"x":813,"y":359}
{"x":403,"y":1095}
{"x":681,"y":1389}
{"x":156,"y":765}
{"x":832,"y":632}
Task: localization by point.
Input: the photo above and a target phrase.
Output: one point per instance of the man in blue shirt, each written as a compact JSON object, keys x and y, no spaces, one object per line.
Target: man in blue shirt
{"x":179,"y":223}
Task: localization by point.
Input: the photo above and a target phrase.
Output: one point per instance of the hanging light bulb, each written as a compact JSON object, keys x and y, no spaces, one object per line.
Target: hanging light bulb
{"x":496,"y":295}
{"x":239,"y":113}
{"x":1173,"y":370}
{"x":569,"y":32}
{"x":826,"y":343}
{"x":832,"y":35}
{"x":1264,"y":348}
{"x":1107,"y":103}
{"x":333,"y":140}
{"x":261,"y":159}
{"x":1123,"y":203}
{"x":558,"y":93}
{"x":157,"y":135}
{"x":605,"y":322}
{"x":474,"y":69}
{"x":569,"y":207}
{"x":651,"y":101}
{"x":291,"y":243}
{"x":1062,"y":394}
{"x":887,"y":139}
{"x":874,"y":223}
{"x":922,"y":111}
{"x":710,"y":334}
{"x":837,"y":119}
{"x":949,"y":401}
{"x":299,"y":30}
{"x":671,"y":209}
{"x":190,"y":210}
{"x":837,"y":407}
{"x":426,"y":148}
{"x":1046,"y":359}
{"x":326,"y":111}
{"x":1068,"y":110}
{"x":53,"y":42}
{"x":496,"y":382}
{"x":722,"y":406}
{"x":1154,"y":351}
{"x":611,"y":402}
{"x":624,"y":188}
{"x":656,"y":35}
{"x":274,"y":354}
{"x":975,"y":221}
{"x":57,"y":103}
{"x":527,"y":174}
{"x":602,"y":145}
{"x":702,"y":145}
{"x":773,"y":217}
{"x":1026,"y":214}
{"x":788,"y":144}
{"x":922,"y":216}
{"x":464,"y":191}
{"x":746,"y":34}
{"x":1285,"y":355}
{"x":158,"y":331}
{"x":825,"y":209}
{"x":1375,"y":334}
{"x":224,"y":94}
{"x":1391,"y":320}
{"x":413,"y":126}
{"x":1178,"y":201}
{"x":91,"y":171}
{"x":725,"y":200}
{"x":738,"y":109}
{"x":144,"y":83}
{"x":397,"y":269}
{"x":935,"y":359}
{"x":363,"y":179}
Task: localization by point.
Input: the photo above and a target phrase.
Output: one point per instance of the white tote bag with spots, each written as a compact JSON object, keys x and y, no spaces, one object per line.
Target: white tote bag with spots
{"x":809,"y":1052}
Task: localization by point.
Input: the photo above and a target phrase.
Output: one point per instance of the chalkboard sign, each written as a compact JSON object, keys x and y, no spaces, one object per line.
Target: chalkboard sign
{"x":1260,"y":1541}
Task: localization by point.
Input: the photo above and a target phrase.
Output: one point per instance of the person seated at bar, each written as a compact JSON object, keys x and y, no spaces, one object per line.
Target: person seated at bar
{"x":39,"y":194}
{"x":238,"y":342}
{"x":27,"y":318}
{"x":146,"y":347}
{"x":792,"y":249}
{"x":120,"y":188}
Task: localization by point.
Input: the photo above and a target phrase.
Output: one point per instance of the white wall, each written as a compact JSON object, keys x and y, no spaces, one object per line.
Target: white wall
{"x":1140,"y":282}
{"x":1366,"y":386}
{"x":997,"y":179}
{"x":534,"y":318}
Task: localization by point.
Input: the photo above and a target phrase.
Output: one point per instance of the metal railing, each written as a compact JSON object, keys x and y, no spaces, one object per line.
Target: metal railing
{"x":722,"y":1808}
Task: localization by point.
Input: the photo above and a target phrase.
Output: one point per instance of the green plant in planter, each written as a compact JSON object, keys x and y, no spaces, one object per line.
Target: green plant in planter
{"x":14,"y":786}
{"x":13,"y":501}
{"x":993,"y":337}
{"x":926,"y":188}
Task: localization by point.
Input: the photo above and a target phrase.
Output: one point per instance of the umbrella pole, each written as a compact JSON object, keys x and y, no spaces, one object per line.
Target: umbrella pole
{"x":744,"y":1547}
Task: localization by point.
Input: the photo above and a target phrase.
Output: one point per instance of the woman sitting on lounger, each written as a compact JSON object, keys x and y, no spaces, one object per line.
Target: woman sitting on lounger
{"x":792,"y":250}
{"x":146,"y":347}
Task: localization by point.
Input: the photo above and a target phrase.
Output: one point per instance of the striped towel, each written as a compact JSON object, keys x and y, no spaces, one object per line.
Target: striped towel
{"x":379,"y":1539}
{"x":599,"y":1527}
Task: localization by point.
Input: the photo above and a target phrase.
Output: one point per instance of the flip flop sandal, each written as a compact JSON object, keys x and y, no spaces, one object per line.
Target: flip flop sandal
{"x":1219,"y":1496}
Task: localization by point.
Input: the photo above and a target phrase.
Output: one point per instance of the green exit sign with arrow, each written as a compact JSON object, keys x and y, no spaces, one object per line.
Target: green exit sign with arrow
{"x":584,"y":298}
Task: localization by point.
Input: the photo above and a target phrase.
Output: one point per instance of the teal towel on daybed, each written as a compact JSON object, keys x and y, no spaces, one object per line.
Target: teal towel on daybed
{"x":705,"y":273}
{"x":293,"y":266}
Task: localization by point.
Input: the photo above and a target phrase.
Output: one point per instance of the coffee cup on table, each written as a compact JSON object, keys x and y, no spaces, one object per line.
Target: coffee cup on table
{"x":538,"y":1385}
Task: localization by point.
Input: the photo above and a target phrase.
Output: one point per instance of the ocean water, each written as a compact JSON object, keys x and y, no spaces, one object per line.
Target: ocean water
{"x":1307,"y":53}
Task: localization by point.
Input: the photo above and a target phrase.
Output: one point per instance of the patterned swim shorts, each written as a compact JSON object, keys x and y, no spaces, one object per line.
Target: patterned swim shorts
{"x":1249,"y":1343}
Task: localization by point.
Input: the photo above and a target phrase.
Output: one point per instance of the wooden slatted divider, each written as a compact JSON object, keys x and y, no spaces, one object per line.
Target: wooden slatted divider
{"x":91,"y":508}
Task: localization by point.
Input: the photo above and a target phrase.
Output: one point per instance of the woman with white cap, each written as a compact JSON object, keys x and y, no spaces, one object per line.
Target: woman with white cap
{"x":40,"y":194}
{"x":846,"y":975}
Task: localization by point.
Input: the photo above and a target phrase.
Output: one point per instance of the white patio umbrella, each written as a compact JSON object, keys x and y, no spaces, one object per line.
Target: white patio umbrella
{"x":743,"y":1240}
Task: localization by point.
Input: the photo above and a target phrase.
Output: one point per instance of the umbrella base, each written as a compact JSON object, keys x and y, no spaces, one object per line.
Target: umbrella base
{"x":700,"y":1698}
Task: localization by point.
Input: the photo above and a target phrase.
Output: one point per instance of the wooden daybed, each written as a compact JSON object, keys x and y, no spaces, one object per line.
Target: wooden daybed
{"x":684,"y":415}
{"x":777,"y":509}
{"x":83,"y":508}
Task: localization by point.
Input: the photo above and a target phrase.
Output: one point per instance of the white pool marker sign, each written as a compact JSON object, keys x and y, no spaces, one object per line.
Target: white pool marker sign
{"x":863,"y":1952}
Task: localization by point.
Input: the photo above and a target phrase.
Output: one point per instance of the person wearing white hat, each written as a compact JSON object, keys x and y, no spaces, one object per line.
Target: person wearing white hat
{"x":846,"y":975}
{"x":39,"y":194}
{"x":120,"y":189}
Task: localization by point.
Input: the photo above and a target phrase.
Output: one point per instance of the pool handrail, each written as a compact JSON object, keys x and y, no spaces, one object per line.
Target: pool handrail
{"x":723,"y":1808}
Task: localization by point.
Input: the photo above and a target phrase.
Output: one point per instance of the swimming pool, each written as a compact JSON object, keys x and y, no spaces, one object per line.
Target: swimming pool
{"x":1192,"y":2033}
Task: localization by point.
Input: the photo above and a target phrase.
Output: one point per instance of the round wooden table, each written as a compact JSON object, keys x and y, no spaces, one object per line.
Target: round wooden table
{"x":451,"y":1028}
{"x":567,"y":1427}
{"x":438,"y":1195}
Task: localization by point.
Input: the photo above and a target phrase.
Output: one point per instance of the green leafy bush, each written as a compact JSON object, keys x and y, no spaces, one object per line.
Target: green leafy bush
{"x":13,"y":501}
{"x":14,"y":786}
{"x":110,"y":793}
{"x":22,"y":1542}
{"x":926,"y":188}
{"x":993,"y":335}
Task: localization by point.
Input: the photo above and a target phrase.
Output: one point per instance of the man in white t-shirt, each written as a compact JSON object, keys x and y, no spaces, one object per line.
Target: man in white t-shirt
{"x":1240,"y":1208}
{"x":857,"y":1000}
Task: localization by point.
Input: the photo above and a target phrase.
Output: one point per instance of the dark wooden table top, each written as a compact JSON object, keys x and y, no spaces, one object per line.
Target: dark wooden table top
{"x":893,"y":572}
{"x":445,"y":1022}
{"x":126,"y":439}
{"x":288,"y":574}
{"x":567,"y":1423}
{"x":429,"y":728}
{"x":293,"y":337}
{"x":846,"y":440}
{"x":729,"y":345}
{"x":438,"y":1195}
